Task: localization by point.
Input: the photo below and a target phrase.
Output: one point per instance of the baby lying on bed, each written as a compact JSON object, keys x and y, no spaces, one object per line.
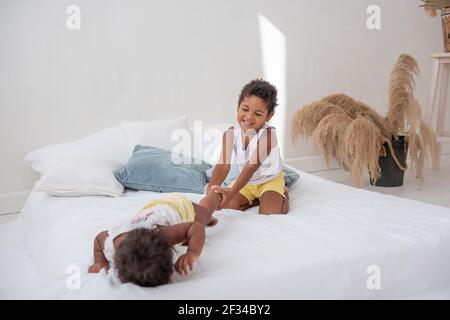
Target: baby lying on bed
{"x":141,"y":250}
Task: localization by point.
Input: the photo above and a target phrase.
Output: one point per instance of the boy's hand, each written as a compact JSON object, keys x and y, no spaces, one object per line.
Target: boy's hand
{"x":185,"y":262}
{"x":226,"y":194}
{"x":213,"y":187}
{"x":96,"y":267}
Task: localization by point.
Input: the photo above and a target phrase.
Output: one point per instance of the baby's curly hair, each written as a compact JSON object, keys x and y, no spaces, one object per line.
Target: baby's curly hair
{"x":263,"y":90}
{"x":145,"y":258}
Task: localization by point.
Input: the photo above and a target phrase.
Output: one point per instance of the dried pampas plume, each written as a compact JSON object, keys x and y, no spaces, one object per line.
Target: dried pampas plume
{"x":431,"y":6}
{"x":401,"y":92}
{"x":329,"y":137}
{"x":356,"y":108}
{"x":430,"y":142}
{"x":362,"y":140}
{"x":306,"y":120}
{"x":356,"y":136}
{"x":431,"y":12}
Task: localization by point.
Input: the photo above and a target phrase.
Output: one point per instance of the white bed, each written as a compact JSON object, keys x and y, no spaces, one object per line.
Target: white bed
{"x":323,"y":249}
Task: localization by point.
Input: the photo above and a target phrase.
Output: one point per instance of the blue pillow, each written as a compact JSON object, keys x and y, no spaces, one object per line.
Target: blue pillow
{"x":290,"y":177}
{"x":152,"y":169}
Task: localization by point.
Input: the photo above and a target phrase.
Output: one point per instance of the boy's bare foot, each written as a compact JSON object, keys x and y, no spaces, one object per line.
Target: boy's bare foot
{"x":247,"y":206}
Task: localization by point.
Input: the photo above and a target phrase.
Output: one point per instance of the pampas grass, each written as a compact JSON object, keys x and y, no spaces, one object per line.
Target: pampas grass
{"x":362,"y":142}
{"x":416,"y":153}
{"x":357,"y":108}
{"x":356,"y":136}
{"x":401,"y":93}
{"x":430,"y":142}
{"x":305,"y":121}
{"x":329,"y":136}
{"x":431,"y":6}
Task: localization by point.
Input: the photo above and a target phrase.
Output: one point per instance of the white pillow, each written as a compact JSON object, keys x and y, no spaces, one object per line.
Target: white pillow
{"x":109,"y":144}
{"x":82,"y":176}
{"x":156,"y":133}
{"x":207,"y":141}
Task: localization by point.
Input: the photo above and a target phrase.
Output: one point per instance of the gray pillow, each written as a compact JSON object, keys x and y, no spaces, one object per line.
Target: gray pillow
{"x":152,"y":169}
{"x":290,"y":177}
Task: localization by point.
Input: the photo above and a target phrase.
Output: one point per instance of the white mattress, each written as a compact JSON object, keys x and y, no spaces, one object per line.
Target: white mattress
{"x":321,"y":250}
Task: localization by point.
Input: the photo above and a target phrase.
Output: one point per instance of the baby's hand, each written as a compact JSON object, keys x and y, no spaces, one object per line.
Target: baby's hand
{"x":96,"y":267}
{"x":185,"y":262}
{"x":212,"y":222}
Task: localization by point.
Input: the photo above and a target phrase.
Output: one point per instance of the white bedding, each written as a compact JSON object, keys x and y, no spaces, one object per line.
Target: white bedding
{"x":321,"y":250}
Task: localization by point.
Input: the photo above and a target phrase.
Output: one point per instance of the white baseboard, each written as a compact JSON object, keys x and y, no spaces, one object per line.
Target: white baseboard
{"x":12,"y":202}
{"x":445,"y":148}
{"x":317,"y":163}
{"x":311,"y":164}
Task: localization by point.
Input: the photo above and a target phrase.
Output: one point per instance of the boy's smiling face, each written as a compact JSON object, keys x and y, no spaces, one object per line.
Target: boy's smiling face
{"x":253,"y":113}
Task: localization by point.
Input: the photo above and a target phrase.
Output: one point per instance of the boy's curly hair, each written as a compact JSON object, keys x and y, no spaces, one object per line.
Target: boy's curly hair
{"x":145,"y":258}
{"x":263,"y":90}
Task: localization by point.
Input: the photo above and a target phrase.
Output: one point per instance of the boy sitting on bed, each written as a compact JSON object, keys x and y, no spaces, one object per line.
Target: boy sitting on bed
{"x":141,"y":250}
{"x":254,"y":144}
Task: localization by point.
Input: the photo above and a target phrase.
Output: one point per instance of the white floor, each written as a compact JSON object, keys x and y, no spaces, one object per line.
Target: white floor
{"x":7,"y":217}
{"x":433,"y":188}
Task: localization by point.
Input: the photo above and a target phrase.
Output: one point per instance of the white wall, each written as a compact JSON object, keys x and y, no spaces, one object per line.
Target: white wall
{"x":137,"y":59}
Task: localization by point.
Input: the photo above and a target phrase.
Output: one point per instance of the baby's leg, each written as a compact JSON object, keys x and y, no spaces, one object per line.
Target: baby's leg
{"x":206,"y":207}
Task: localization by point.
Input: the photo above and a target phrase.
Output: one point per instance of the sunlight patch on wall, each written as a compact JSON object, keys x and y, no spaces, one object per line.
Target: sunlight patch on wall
{"x":273,"y":51}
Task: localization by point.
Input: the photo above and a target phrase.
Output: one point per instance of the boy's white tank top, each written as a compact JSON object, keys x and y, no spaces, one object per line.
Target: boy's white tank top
{"x":270,"y":168}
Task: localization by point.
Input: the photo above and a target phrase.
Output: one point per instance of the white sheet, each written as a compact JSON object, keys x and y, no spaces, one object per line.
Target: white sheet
{"x":321,"y":250}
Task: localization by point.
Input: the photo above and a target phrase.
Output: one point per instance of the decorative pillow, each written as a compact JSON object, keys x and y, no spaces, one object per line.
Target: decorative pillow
{"x":155,"y":169}
{"x":154,"y":133}
{"x":290,"y":177}
{"x":81,"y":176}
{"x":109,"y":144}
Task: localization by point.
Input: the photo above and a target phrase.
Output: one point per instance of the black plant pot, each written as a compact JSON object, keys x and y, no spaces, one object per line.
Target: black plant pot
{"x":391,"y":174}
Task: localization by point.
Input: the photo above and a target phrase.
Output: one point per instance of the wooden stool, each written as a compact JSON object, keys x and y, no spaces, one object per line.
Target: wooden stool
{"x":439,"y":82}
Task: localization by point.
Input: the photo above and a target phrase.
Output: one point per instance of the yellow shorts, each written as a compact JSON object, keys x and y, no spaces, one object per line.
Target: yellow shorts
{"x":255,"y":191}
{"x":179,"y":203}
